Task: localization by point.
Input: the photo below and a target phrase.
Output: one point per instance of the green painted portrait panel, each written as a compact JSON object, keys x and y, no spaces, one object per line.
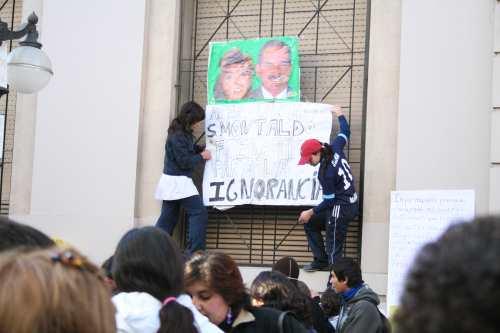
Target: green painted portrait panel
{"x":253,"y":70}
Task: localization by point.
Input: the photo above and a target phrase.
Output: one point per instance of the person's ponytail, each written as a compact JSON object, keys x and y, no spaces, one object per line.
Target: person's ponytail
{"x":175,"y":317}
{"x":327,"y":155}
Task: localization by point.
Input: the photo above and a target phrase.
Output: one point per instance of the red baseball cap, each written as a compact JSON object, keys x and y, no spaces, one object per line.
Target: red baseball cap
{"x":308,"y":148}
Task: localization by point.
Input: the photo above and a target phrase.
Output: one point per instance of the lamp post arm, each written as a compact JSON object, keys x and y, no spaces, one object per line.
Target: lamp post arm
{"x":28,"y":29}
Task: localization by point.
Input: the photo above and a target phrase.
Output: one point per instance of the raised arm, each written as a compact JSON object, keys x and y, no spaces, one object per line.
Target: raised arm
{"x":344,"y":134}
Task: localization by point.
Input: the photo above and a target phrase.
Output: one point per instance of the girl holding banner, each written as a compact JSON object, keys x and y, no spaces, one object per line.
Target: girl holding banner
{"x":340,"y":200}
{"x":176,"y":188}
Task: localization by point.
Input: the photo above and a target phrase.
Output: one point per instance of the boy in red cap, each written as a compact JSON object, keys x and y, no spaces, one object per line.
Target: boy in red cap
{"x":340,"y":200}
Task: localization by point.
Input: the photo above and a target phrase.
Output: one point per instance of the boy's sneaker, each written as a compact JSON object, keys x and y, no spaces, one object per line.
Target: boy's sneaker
{"x":316,"y":266}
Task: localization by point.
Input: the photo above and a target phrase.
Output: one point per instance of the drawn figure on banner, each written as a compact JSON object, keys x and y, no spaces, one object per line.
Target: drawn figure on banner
{"x":274,"y":68}
{"x":235,"y":79}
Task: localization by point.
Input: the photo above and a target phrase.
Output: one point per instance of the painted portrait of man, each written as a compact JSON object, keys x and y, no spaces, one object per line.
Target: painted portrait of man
{"x":273,"y":69}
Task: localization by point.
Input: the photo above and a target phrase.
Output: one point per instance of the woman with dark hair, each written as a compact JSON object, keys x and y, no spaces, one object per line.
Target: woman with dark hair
{"x":214,"y":281}
{"x":176,"y":188}
{"x":272,"y":289}
{"x":148,"y":272}
{"x":340,"y":200}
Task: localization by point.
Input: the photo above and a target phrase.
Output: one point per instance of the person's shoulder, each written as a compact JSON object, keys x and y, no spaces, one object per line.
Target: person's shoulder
{"x":136,"y":312}
{"x":365,"y":307}
{"x":270,"y":318}
{"x":266,"y":317}
{"x":365,"y":304}
{"x":179,"y":135}
{"x":265,"y":312}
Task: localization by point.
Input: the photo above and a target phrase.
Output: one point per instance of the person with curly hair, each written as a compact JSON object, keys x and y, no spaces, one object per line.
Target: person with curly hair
{"x":272,"y":289}
{"x":290,"y":268}
{"x":454,"y":282}
{"x":330,"y":303}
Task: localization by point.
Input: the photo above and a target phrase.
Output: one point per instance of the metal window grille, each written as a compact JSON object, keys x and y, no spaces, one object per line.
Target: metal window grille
{"x":10,"y":12}
{"x":333,"y":53}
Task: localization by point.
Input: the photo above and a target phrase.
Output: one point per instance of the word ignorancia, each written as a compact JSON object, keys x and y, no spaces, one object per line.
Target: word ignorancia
{"x":248,"y":189}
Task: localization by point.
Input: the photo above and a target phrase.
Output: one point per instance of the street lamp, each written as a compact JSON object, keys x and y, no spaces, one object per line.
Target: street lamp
{"x":28,"y":67}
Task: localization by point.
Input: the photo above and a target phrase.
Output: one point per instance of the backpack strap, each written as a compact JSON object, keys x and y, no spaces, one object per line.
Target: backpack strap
{"x":281,"y":318}
{"x":386,"y":324}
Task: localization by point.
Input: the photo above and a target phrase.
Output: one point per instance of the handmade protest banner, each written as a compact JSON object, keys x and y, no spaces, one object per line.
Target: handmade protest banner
{"x":252,"y":70}
{"x":419,"y":217}
{"x":255,"y":150}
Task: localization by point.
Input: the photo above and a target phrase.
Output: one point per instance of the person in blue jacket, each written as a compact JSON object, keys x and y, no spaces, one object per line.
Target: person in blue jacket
{"x":340,"y":200}
{"x":176,"y":188}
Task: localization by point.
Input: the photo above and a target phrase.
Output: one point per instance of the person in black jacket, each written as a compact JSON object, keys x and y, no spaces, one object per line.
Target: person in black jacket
{"x":214,"y":282}
{"x":272,"y":289}
{"x":176,"y":188}
{"x":290,"y":268}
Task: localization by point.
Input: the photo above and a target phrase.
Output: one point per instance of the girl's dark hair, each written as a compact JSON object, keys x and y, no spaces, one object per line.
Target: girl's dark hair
{"x":176,"y":318}
{"x":147,"y":260}
{"x":190,"y":114}
{"x":327,"y":155}
{"x":275,"y":290}
{"x":107,"y":267}
{"x":302,"y":287}
{"x":219,"y":272}
{"x":13,"y":234}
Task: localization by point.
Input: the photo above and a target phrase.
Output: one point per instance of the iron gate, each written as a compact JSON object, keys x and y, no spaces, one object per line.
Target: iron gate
{"x":10,"y":13}
{"x":333,"y":38}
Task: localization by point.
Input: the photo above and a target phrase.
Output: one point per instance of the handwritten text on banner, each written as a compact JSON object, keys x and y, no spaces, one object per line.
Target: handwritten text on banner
{"x":255,"y":150}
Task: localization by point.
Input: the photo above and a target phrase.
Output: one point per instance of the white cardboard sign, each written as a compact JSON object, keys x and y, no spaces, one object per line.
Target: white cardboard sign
{"x":255,"y":150}
{"x":419,"y":217}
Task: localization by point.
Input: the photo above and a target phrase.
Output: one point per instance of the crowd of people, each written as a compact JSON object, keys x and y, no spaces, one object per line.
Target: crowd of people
{"x":148,"y":286}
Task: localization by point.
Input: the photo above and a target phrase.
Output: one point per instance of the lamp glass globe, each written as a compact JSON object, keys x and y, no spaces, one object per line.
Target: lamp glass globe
{"x":28,"y":69}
